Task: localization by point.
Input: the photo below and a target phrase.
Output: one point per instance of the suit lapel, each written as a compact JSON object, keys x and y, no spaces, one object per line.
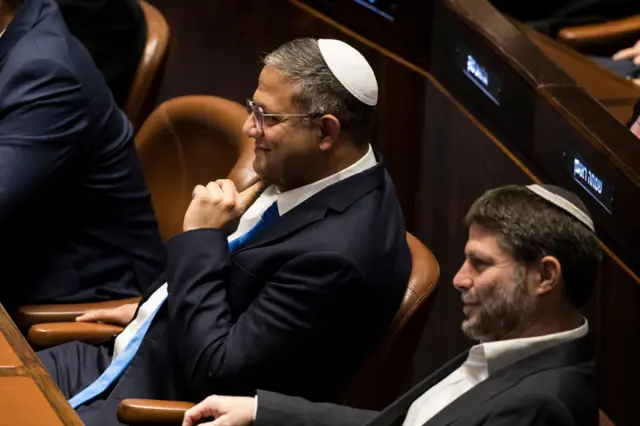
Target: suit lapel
{"x":395,"y":413}
{"x":570,"y":353}
{"x":337,"y":197}
{"x":24,"y":20}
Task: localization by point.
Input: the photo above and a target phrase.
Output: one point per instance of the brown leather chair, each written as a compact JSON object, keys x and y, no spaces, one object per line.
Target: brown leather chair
{"x":602,"y":39}
{"x":186,"y":141}
{"x":146,"y":81}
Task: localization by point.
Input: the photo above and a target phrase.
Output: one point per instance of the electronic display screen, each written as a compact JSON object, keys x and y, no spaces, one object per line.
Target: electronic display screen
{"x":384,"y":8}
{"x":473,"y":68}
{"x":589,"y":180}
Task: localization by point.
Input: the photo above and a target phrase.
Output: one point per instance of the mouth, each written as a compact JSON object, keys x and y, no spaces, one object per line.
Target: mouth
{"x":468,"y":308}
{"x":261,"y":147}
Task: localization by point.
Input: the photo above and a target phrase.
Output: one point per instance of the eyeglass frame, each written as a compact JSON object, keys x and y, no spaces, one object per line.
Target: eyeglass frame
{"x":258,"y":118}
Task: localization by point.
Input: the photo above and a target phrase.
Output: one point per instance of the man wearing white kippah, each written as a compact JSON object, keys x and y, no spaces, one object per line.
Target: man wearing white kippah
{"x":531,"y":262}
{"x":293,"y":296}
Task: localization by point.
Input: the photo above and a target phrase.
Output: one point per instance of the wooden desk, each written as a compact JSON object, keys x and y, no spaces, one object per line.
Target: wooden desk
{"x":28,"y":396}
{"x":616,"y":93}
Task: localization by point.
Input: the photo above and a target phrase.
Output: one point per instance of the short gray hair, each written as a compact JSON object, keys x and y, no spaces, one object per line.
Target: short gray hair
{"x":317,"y":91}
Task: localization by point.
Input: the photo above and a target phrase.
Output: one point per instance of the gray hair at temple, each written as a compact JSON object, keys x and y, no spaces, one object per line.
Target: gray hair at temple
{"x":317,"y":91}
{"x":530,"y":227}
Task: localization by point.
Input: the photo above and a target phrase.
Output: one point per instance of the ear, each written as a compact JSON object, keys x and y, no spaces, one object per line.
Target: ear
{"x":330,"y":129}
{"x":550,"y":275}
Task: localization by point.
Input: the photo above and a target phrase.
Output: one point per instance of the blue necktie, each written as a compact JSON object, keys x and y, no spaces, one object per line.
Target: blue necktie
{"x":117,"y":367}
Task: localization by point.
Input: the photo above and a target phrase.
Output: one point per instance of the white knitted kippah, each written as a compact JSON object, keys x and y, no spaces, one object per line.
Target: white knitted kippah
{"x":559,"y":197}
{"x":351,"y":69}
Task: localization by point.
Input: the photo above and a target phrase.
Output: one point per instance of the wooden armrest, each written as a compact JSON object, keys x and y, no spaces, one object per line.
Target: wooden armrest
{"x":26,"y":316}
{"x":47,"y":335}
{"x":606,"y":33}
{"x":144,"y":411}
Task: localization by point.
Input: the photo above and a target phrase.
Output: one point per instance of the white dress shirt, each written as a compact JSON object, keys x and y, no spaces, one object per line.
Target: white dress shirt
{"x":286,"y":201}
{"x":483,"y":361}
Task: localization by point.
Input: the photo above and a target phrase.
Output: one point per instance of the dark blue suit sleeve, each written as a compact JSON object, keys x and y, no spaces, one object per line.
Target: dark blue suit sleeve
{"x":40,"y":128}
{"x":304,"y":298}
{"x":276,"y":410}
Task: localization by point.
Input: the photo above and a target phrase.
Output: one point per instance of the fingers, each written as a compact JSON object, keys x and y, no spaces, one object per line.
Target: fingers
{"x":199,"y":191}
{"x":93,"y":316}
{"x":215,"y":191}
{"x":628,"y":53}
{"x":229,"y":192}
{"x":249,"y":196}
{"x":204,"y":409}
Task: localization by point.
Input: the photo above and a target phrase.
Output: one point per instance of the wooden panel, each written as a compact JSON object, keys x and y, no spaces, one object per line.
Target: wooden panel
{"x":22,"y":403}
{"x":27,"y":392}
{"x":8,"y":358}
{"x":616,"y":93}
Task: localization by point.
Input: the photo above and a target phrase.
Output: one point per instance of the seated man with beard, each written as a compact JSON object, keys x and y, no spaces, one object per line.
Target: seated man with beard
{"x":531,"y":262}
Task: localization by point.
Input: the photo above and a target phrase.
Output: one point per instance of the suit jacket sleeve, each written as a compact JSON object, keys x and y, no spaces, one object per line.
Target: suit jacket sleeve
{"x":275,"y":410}
{"x":39,"y":130}
{"x":531,"y":410}
{"x":221,"y":353}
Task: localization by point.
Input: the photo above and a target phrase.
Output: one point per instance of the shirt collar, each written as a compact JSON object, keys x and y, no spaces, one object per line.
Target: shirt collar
{"x":290,"y":199}
{"x":500,"y":354}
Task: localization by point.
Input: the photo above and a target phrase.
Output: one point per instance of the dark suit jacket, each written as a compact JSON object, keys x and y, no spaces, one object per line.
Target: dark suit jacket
{"x":295,"y":309}
{"x":114,"y":32}
{"x":549,"y":16}
{"x":555,"y":387}
{"x":76,"y":221}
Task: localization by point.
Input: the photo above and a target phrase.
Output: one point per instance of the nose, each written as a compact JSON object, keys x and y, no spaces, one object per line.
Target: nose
{"x":250,"y":129}
{"x":463,"y":281}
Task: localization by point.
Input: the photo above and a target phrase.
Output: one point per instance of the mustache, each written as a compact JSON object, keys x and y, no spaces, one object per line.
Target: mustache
{"x":468,"y":298}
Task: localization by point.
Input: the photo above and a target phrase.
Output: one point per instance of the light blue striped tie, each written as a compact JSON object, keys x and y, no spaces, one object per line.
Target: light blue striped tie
{"x":121,"y":362}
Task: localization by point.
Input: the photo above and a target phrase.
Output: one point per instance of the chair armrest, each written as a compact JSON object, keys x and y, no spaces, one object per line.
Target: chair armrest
{"x":26,"y":316}
{"x":47,"y":335}
{"x":611,"y":33}
{"x":145,"y":411}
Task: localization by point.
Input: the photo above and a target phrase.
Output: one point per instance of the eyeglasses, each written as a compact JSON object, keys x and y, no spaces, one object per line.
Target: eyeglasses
{"x":259,"y":115}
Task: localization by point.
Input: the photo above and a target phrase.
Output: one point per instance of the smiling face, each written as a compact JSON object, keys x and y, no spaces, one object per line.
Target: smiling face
{"x":287,"y":147}
{"x":495,"y":291}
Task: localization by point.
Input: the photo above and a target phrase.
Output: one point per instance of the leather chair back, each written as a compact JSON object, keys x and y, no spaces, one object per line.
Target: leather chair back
{"x":146,"y":81}
{"x":379,"y":381}
{"x":189,"y":141}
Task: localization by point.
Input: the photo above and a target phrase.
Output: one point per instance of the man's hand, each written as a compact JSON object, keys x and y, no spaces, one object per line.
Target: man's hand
{"x":219,"y":205}
{"x":122,"y":315}
{"x":629,"y":53}
{"x":226,"y":410}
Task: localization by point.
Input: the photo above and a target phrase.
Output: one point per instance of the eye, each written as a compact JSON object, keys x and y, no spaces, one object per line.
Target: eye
{"x":477,"y":263}
{"x":271,"y":120}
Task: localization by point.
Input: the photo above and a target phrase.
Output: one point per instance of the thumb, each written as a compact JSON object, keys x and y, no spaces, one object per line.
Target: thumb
{"x":249,"y":196}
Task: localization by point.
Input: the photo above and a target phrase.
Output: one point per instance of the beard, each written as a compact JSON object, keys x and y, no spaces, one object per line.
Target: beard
{"x":500,"y":311}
